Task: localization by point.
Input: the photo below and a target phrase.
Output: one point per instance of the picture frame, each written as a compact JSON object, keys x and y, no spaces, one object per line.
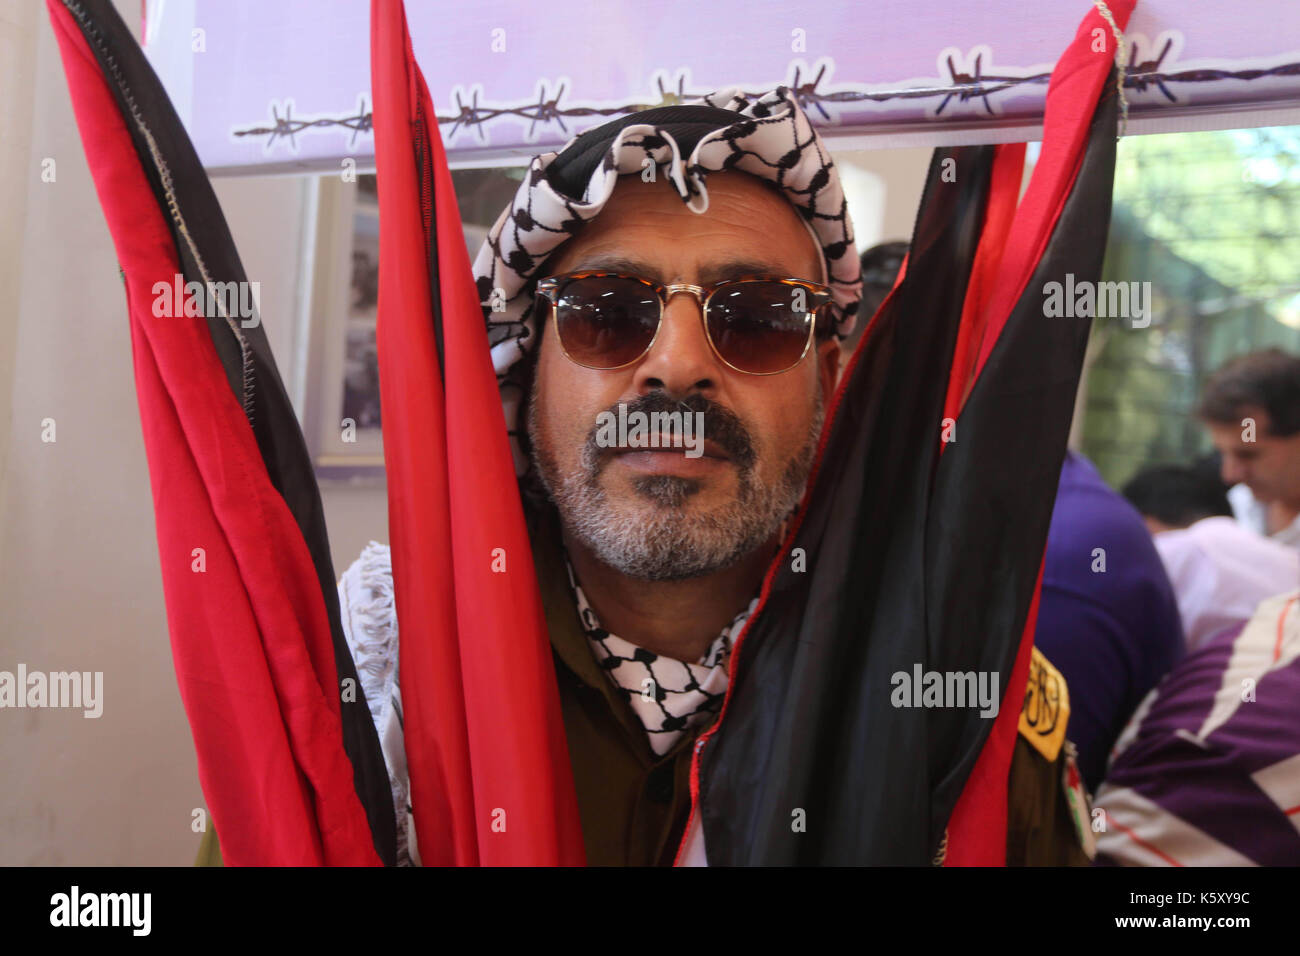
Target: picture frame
{"x":340,"y":385}
{"x":337,"y":388}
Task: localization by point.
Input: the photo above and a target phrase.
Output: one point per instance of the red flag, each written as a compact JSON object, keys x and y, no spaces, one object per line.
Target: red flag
{"x":977,"y":829}
{"x":914,"y":560}
{"x":490,"y":776}
{"x":250,"y":633}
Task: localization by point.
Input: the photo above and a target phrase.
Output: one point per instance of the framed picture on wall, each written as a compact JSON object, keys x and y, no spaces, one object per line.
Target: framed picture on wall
{"x":341,"y":414}
{"x":342,"y":417}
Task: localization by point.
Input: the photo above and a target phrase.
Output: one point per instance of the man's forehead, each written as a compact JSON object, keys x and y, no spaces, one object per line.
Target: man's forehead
{"x":749,"y":229}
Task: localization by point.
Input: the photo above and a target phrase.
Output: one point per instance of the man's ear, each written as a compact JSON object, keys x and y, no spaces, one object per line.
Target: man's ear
{"x":828,"y":367}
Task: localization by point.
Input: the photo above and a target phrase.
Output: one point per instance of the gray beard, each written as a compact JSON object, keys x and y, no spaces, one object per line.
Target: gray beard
{"x":667,"y":543}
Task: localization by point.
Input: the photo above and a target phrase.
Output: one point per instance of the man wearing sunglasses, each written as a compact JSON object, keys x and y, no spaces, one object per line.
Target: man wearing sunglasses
{"x":690,"y":269}
{"x":657,"y":309}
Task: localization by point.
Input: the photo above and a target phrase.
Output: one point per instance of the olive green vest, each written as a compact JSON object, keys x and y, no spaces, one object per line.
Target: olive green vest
{"x":633,"y":804}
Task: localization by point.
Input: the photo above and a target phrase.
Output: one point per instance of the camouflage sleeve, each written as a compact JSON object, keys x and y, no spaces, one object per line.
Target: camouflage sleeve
{"x":1048,"y":817}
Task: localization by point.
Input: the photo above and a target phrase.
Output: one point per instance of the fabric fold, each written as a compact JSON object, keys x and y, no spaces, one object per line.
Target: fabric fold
{"x":288,"y":758}
{"x":491,"y":781}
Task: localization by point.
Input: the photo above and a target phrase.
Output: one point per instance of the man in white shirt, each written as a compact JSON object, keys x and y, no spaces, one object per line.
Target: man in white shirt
{"x":1221,"y":571}
{"x":1219,"y":568}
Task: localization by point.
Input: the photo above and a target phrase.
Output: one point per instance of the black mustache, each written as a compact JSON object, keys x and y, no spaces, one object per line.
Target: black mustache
{"x":720,"y":424}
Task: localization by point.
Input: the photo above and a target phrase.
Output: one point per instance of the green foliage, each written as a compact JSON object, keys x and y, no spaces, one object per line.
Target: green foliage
{"x":1212,"y":221}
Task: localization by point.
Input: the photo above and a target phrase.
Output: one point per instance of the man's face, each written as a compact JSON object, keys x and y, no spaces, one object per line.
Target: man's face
{"x":661,"y":514}
{"x":1269,"y":465}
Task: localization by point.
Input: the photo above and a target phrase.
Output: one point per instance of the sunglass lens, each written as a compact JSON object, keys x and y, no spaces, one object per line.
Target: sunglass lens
{"x":760,"y":326}
{"x":606,"y":321}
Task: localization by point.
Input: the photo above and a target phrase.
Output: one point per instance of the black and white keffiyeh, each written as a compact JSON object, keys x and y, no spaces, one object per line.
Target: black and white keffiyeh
{"x":668,"y":696}
{"x":769,"y":137}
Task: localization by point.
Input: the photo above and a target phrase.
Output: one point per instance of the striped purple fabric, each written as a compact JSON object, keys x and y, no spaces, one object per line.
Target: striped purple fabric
{"x":1208,"y":770}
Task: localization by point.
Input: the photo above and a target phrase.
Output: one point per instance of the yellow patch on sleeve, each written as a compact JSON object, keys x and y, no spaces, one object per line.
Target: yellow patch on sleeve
{"x":1046,"y":710}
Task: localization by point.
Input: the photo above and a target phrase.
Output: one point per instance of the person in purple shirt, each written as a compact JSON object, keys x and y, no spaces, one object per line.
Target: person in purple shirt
{"x":1208,"y":771}
{"x":1107,"y":617}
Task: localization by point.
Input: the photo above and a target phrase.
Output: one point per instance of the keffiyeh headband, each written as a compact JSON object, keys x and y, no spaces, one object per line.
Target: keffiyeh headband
{"x":769,"y":137}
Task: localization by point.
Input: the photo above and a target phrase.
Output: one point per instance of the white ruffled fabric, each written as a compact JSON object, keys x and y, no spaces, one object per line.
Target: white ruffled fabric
{"x":370,"y":629}
{"x":669,"y":697}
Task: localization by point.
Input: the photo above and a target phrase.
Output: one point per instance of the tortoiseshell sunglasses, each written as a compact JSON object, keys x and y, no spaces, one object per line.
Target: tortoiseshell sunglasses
{"x":757,"y":325}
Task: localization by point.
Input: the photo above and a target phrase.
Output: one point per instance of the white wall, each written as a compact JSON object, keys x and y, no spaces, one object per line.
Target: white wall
{"x":79,"y":581}
{"x":883,"y":187}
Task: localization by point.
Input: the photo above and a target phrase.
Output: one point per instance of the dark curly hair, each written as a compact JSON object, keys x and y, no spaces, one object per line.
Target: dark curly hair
{"x":1267,"y":379}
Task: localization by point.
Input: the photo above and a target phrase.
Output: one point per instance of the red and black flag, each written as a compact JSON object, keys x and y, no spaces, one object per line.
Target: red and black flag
{"x":289,"y":759}
{"x":921,"y":541}
{"x":923,"y":529}
{"x":485,"y":744}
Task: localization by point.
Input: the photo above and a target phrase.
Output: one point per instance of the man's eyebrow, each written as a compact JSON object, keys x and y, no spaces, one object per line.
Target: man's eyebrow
{"x":738,"y":269}
{"x":710,"y":272}
{"x":612,"y":263}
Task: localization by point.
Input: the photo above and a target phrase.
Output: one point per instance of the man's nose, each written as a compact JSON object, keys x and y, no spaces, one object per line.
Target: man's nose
{"x":1231,"y":471}
{"x":680,"y":361}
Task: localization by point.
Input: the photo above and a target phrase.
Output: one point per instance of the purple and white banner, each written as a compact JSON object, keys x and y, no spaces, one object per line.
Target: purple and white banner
{"x":284,"y":84}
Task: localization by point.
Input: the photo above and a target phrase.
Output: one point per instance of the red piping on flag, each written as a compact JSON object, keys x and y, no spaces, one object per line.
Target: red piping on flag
{"x":977,"y":827}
